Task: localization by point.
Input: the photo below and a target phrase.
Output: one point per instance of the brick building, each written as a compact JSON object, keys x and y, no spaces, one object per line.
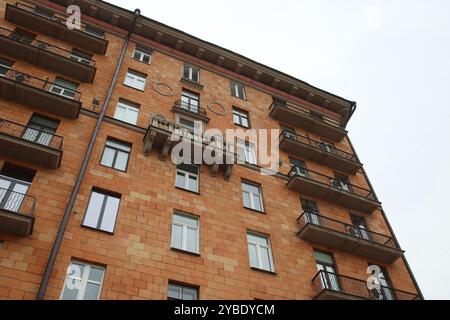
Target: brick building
{"x":92,"y":207}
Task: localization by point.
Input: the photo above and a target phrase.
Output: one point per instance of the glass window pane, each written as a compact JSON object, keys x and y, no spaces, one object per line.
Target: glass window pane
{"x":72,"y":292}
{"x":250,"y":188}
{"x":246,"y":198}
{"x":93,"y":211}
{"x":244,"y":122}
{"x":120,"y":112}
{"x":118,"y":145}
{"x":236,"y":119}
{"x":174,"y":292}
{"x":193,"y":185}
{"x":192,"y":240}
{"x":121,"y":161}
{"x":185,"y":220}
{"x":265,"y":259}
{"x":180,"y":180}
{"x":96,"y":274}
{"x":257,"y":203}
{"x":108,"y":157}
{"x":132,"y":116}
{"x":110,"y":214}
{"x":258,"y":239}
{"x":189,"y":294}
{"x":177,"y":236}
{"x":253,"y":256}
{"x":323,"y":257}
{"x":92,"y":291}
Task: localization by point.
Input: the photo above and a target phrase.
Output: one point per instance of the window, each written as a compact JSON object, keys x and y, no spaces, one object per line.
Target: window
{"x":325,"y":265}
{"x":237,"y":90}
{"x":81,"y":57}
{"x":116,"y":154}
{"x":44,"y":12}
{"x":341,"y":182}
{"x":187,"y":177}
{"x":241,"y":117}
{"x":179,"y":292}
{"x":384,"y":292}
{"x":40,"y":130}
{"x":252,"y":196}
{"x":22,"y":36}
{"x":127,"y":112}
{"x":361,"y":230}
{"x":325,"y":146}
{"x":4,"y":66}
{"x":83,"y":282}
{"x":64,"y":88}
{"x":191,"y":73}
{"x":247,"y":151}
{"x":259,"y":252}
{"x":311,"y":211}
{"x":94,"y":31}
{"x":289,"y":132}
{"x":141,"y":54}
{"x":190,"y":101}
{"x":185,"y":233}
{"x":299,"y":167}
{"x":102,"y":211}
{"x":135,"y":80}
{"x":14,"y":184}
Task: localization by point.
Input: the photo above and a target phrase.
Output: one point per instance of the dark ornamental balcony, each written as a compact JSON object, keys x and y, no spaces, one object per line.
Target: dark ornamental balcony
{"x":45,"y":21}
{"x":46,"y":56}
{"x":320,"y":152}
{"x":301,"y":117}
{"x":332,"y":286}
{"x":193,"y":111}
{"x":30,"y":145}
{"x":164,"y":135}
{"x":338,"y":235}
{"x":38,"y":93}
{"x":330,"y":189}
{"x":16,"y":213}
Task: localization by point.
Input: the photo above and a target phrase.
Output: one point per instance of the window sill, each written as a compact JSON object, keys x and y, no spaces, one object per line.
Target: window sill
{"x":141,"y":61}
{"x":240,"y":125}
{"x":128,"y":86}
{"x":264,"y":271}
{"x":242,"y":99}
{"x":195,"y":254}
{"x":187,"y":190}
{"x":254,"y":210}
{"x":114,"y":169}
{"x":197,"y":85}
{"x":98,"y":230}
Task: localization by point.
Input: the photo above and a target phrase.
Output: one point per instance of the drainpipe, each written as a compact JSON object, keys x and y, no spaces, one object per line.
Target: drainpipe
{"x":388,"y":224}
{"x":87,"y":157}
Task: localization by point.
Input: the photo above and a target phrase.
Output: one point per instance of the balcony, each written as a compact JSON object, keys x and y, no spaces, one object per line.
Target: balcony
{"x":301,"y":117}
{"x":16,"y":213}
{"x":45,"y":21}
{"x":191,"y":110}
{"x":342,"y":236}
{"x":320,"y":152}
{"x":332,"y":286}
{"x":46,"y":56}
{"x":38,"y":93}
{"x":164,"y":135}
{"x":30,"y":145}
{"x":330,"y":189}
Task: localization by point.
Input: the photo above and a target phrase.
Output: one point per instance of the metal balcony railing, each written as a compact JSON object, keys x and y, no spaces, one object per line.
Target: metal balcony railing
{"x":325,"y":280}
{"x":318,"y":145}
{"x":45,"y":46}
{"x":38,"y":83}
{"x":18,"y":203}
{"x":51,"y":15}
{"x":331,"y":182}
{"x":191,"y":108}
{"x":309,"y":217}
{"x":30,"y":134}
{"x":307,"y":113}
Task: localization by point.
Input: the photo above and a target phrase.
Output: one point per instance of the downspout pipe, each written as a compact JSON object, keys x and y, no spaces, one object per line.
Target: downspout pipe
{"x":62,"y":227}
{"x":388,"y":224}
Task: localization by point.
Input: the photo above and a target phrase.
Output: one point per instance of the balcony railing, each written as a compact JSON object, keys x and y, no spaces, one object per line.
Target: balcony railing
{"x":191,"y":108}
{"x":345,"y":228}
{"x":331,"y":182}
{"x":44,"y":46}
{"x":29,"y":134}
{"x":17,"y":203}
{"x":328,"y":285}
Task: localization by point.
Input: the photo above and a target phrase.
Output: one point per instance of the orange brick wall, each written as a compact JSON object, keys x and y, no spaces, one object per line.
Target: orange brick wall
{"x":139,"y":261}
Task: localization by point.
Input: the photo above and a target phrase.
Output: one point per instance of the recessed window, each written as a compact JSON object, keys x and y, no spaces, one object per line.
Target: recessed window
{"x":142,"y":54}
{"x":4,"y":66}
{"x":259,"y":252}
{"x":191,"y":73}
{"x":187,"y":177}
{"x":41,"y":130}
{"x":241,"y":117}
{"x":83,"y":281}
{"x":325,"y":146}
{"x":95,"y":32}
{"x":289,"y":132}
{"x":237,"y":90}
{"x":185,"y":233}
{"x":299,"y":167}
{"x":116,"y":154}
{"x":342,"y":182}
{"x":127,"y":112}
{"x":135,"y":80}
{"x":102,"y":211}
{"x":311,"y":211}
{"x":325,"y":265}
{"x":14,"y":184}
{"x":190,"y":101}
{"x":252,"y":196}
{"x":81,"y":57}
{"x":247,"y":151}
{"x":179,"y":292}
{"x":64,"y":88}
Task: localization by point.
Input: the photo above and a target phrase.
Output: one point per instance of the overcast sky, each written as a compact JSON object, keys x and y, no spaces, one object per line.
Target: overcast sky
{"x":393,"y":58}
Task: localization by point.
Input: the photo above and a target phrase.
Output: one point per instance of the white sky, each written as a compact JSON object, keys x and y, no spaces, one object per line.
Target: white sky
{"x":393,"y":58}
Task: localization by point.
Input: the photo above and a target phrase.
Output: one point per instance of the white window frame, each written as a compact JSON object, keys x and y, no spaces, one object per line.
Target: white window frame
{"x":62,"y":89}
{"x":235,"y":90}
{"x":187,"y":175}
{"x":241,"y":114}
{"x":258,"y":250}
{"x":251,"y":196}
{"x":128,"y":106}
{"x":184,"y":232}
{"x":135,"y":80}
{"x":249,"y":151}
{"x":181,"y":289}
{"x":143,"y":52}
{"x":191,"y":69}
{"x":84,"y":280}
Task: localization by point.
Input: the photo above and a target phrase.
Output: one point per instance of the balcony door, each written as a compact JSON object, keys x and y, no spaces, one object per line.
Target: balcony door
{"x":341,"y":182}
{"x":190,"y":101}
{"x":64,"y":88}
{"x":40,"y":130}
{"x":328,"y":277}
{"x":384,"y":292}
{"x":361,"y":229}
{"x":299,"y":167}
{"x":14,"y":184}
{"x":311,"y":211}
